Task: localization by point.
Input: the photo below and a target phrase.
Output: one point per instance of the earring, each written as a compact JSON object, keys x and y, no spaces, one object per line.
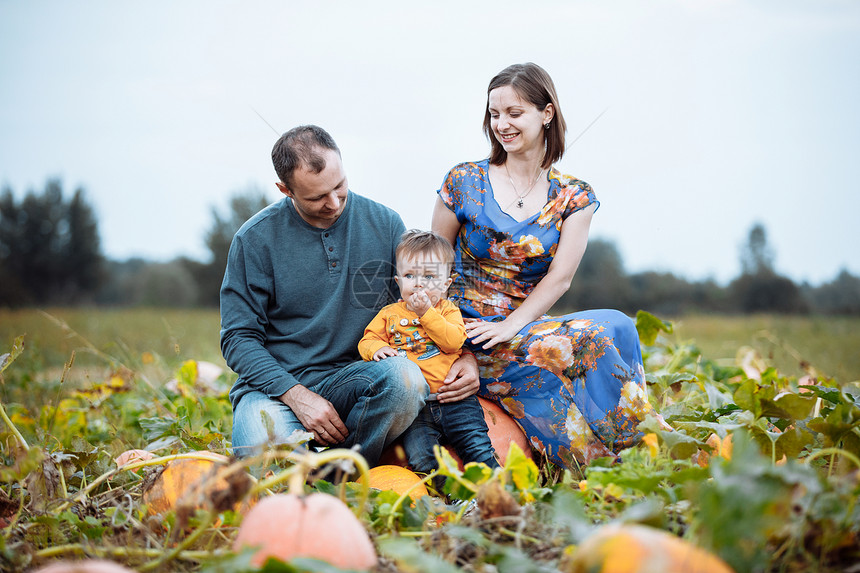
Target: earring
{"x":546,"y":126}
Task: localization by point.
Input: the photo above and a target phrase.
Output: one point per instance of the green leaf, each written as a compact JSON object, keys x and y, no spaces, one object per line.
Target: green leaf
{"x":447,"y":464}
{"x":26,"y":461}
{"x":233,"y":563}
{"x":680,"y":445}
{"x":719,"y":428}
{"x":744,"y":396}
{"x":851,"y":443}
{"x":477,"y":473}
{"x":650,"y":511}
{"x":832,"y":395}
{"x":796,"y":406}
{"x":717,"y":398}
{"x":413,"y":558}
{"x":523,"y":470}
{"x":792,"y":441}
{"x":158,"y":426}
{"x":649,"y":326}
{"x":841,"y":420}
{"x":200,"y":440}
{"x":187,"y":373}
{"x":569,"y":512}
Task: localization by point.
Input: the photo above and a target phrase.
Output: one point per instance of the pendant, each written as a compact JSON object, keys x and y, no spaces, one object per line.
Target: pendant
{"x":520,"y":203}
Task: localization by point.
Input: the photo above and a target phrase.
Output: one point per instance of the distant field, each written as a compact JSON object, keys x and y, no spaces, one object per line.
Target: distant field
{"x":122,"y":335}
{"x":829,"y":344}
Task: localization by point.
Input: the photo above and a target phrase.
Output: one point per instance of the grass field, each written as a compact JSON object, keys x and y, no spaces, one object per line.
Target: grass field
{"x":828,"y":344}
{"x":752,"y":467}
{"x":102,"y":336}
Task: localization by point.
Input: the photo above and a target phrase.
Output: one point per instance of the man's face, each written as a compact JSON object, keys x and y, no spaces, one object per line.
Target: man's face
{"x":319,"y":197}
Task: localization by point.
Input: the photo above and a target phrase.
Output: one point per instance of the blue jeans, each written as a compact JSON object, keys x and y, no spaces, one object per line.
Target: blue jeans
{"x":460,"y":425}
{"x":376,"y":400}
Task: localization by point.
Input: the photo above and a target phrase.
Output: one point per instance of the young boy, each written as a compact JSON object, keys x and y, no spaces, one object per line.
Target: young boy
{"x":428,"y":329}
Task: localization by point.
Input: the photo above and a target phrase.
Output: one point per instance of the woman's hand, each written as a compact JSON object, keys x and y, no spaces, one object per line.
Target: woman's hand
{"x":491,"y":333}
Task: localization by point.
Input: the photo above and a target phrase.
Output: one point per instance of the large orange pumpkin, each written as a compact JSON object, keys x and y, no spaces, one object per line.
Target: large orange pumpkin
{"x":396,"y":478}
{"x":501,"y":428}
{"x":641,"y":549}
{"x":320,"y":526}
{"x":186,"y":478}
{"x":84,"y":566}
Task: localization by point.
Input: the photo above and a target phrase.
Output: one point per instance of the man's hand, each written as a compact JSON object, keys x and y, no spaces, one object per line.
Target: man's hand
{"x":462,"y":380}
{"x":383,"y":353}
{"x":316,"y":414}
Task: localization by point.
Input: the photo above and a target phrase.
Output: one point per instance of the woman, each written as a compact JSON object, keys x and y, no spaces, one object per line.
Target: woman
{"x":575,"y":383}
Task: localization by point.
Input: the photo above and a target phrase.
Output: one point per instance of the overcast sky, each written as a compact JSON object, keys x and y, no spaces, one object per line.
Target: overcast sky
{"x":718,"y":114}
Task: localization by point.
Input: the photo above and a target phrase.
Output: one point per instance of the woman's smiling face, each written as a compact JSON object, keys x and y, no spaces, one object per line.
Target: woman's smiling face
{"x":516,"y":123}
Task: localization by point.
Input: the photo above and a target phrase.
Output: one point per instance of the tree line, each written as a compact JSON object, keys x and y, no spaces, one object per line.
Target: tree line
{"x":50,"y":254}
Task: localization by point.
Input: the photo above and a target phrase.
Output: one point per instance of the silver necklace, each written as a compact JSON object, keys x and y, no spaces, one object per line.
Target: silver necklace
{"x":529,"y":190}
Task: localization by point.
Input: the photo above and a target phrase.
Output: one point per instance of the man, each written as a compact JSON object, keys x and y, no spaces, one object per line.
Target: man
{"x":304,"y":277}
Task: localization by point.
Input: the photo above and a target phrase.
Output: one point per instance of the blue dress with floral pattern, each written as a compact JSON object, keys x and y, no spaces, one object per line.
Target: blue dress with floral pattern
{"x":574,"y":383}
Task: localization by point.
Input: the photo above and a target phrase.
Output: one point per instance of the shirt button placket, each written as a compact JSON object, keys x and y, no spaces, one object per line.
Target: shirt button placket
{"x":331,"y":253}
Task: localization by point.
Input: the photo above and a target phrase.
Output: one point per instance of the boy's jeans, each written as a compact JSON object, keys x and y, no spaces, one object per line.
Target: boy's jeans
{"x":460,"y":425}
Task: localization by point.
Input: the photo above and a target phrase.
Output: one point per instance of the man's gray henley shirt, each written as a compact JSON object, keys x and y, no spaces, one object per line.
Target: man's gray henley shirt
{"x":295,"y":298}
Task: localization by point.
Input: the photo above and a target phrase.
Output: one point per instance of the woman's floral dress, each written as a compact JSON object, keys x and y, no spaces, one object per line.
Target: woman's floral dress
{"x":575,"y":383}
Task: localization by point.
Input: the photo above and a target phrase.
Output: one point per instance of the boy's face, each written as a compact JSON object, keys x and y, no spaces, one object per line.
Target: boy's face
{"x":423,"y":272}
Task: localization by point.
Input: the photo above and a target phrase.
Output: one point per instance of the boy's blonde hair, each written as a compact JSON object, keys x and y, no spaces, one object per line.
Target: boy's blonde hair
{"x":414,"y":242}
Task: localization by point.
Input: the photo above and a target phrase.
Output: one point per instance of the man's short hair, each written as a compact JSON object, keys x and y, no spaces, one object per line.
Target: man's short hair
{"x":300,"y":147}
{"x":414,"y":242}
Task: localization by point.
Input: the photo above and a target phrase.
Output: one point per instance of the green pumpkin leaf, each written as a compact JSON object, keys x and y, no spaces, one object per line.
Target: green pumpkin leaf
{"x":649,"y":326}
{"x":797,"y":407}
{"x":477,"y":473}
{"x":524,"y":472}
{"x":745,"y":397}
{"x":792,"y":441}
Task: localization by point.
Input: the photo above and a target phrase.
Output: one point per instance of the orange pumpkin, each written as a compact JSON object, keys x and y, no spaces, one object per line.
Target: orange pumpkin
{"x":320,"y":526}
{"x":131,"y":456}
{"x":396,"y":478}
{"x":187,"y":479}
{"x":641,"y":549}
{"x":721,"y":448}
{"x":84,"y":566}
{"x":503,"y":430}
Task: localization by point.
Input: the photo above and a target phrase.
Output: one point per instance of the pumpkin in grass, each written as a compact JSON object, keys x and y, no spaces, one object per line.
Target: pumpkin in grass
{"x":319,"y":526}
{"x":192,"y":484}
{"x":396,"y":478}
{"x":640,"y":549}
{"x":132,"y":456}
{"x":84,"y":566}
{"x":503,"y":430}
